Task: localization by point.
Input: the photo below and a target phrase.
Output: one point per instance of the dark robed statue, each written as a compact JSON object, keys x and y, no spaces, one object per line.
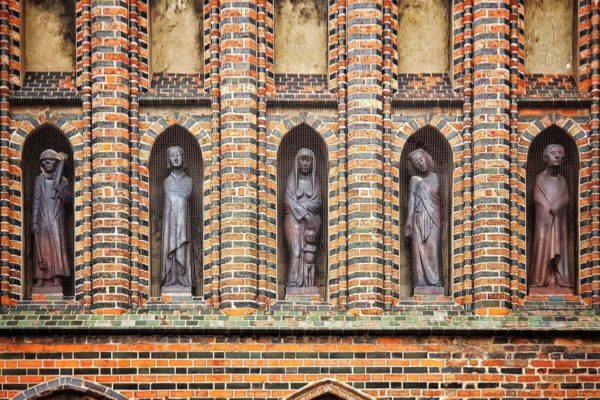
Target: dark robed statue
{"x":423,"y":224}
{"x":177,"y":272}
{"x":302,"y":223}
{"x":550,"y":268}
{"x":51,"y":195}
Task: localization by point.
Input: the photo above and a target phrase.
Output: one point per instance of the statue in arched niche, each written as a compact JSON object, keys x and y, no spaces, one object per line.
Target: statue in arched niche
{"x":550,"y":268}
{"x":423,"y":224}
{"x":302,"y":223}
{"x":51,"y":195}
{"x":177,"y":271}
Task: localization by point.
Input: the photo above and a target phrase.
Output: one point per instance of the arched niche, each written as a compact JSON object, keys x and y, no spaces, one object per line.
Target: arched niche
{"x":302,"y":136}
{"x":49,"y":42}
{"x":159,"y":171}
{"x":71,"y":395}
{"x":45,"y":137}
{"x":570,"y":171}
{"x":301,"y":37}
{"x":434,"y":143}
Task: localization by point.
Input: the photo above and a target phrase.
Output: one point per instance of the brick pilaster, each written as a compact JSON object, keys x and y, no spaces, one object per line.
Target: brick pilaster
{"x":365,"y":164}
{"x":5,"y":273}
{"x":110,"y":156}
{"x":239,"y":215}
{"x":491,"y":161}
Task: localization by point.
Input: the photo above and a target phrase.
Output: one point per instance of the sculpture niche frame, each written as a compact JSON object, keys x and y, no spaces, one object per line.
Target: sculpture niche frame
{"x":302,"y":136}
{"x":45,"y":137}
{"x":570,"y":171}
{"x":436,"y":145}
{"x":158,"y":171}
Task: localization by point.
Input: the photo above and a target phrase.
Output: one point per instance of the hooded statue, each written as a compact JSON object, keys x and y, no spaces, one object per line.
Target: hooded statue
{"x":302,"y":219}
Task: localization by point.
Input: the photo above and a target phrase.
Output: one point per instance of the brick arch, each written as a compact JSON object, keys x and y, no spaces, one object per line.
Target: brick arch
{"x":26,"y":127}
{"x":583,"y":145}
{"x":453,"y":136}
{"x":568,"y":125}
{"x":329,"y":387}
{"x":268,"y":177}
{"x":191,"y":125}
{"x":67,"y":383}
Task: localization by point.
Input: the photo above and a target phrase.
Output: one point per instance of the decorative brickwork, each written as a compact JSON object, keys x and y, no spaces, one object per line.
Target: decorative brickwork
{"x":365,"y":335}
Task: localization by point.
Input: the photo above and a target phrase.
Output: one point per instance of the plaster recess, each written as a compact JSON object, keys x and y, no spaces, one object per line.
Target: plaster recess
{"x":300,"y":37}
{"x":549,"y":36}
{"x":423,"y":29}
{"x":176,"y":36}
{"x":50,"y":35}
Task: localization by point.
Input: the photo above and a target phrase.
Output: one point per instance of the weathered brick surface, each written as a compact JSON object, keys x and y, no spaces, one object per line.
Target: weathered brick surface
{"x":484,"y":109}
{"x":275,"y":367}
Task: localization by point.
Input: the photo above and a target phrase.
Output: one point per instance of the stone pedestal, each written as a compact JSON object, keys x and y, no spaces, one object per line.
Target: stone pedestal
{"x":47,"y":290}
{"x":546,"y":290}
{"x":429,"y":291}
{"x":301,"y":291}
{"x":176,"y":289}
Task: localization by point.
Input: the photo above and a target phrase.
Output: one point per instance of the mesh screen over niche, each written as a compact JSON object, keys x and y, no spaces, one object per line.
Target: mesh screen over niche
{"x":159,"y":171}
{"x":298,"y":138}
{"x":45,"y":137}
{"x":438,"y":147}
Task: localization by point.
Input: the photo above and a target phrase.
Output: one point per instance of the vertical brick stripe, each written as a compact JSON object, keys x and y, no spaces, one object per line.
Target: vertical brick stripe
{"x":238,"y":156}
{"x":5,"y":288}
{"x":491,"y":160}
{"x":110,"y":153}
{"x":365,"y":163}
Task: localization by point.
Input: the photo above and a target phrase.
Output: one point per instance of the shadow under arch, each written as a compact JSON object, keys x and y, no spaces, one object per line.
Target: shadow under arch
{"x":433,"y":142}
{"x":299,"y":137}
{"x":175,"y":135}
{"x":69,"y":388}
{"x":46,"y":136}
{"x":570,"y":171}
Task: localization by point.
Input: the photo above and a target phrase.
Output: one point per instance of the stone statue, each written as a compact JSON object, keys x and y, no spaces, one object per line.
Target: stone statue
{"x":302,"y":223}
{"x":550,"y":268}
{"x":423,"y":224}
{"x":51,"y":195}
{"x":177,"y":272}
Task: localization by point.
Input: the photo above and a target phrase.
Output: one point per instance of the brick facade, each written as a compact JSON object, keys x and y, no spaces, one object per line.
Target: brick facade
{"x":365,"y":336}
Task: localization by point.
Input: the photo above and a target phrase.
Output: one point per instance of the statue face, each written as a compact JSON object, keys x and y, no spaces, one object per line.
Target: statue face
{"x":419,"y":161}
{"x":305,"y":164}
{"x":555,"y":156}
{"x":49,"y":165}
{"x":175,"y":157}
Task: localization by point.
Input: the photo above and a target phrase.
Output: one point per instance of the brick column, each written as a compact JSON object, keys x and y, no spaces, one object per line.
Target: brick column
{"x":239,"y":216}
{"x":491,"y":161}
{"x":110,"y":156}
{"x":365,"y":152}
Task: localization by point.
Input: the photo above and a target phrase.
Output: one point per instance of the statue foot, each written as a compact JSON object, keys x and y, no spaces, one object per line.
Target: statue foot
{"x":56,"y":282}
{"x":38,"y":283}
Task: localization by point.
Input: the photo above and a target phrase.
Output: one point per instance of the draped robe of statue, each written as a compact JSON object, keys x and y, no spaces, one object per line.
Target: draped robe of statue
{"x":550,"y":266}
{"x":424,"y":210}
{"x":302,"y":211}
{"x":51,"y":239}
{"x":177,"y":263}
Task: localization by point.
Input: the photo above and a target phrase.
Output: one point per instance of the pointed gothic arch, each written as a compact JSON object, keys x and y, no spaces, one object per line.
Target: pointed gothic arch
{"x":175,"y":135}
{"x":329,"y":389}
{"x":45,"y":136}
{"x":437,"y":146}
{"x":302,"y":136}
{"x":68,"y":388}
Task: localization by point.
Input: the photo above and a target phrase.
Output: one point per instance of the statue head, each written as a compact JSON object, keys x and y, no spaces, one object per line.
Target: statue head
{"x":304,"y":161}
{"x":420,"y":162}
{"x":175,"y":157}
{"x":49,"y":160}
{"x":554,"y":155}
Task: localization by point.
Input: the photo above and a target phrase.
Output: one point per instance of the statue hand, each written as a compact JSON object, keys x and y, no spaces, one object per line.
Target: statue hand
{"x":35,"y":228}
{"x":62,"y":156}
{"x":408,"y":230}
